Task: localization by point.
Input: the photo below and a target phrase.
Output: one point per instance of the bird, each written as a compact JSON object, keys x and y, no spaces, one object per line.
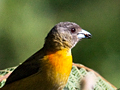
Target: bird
{"x":50,"y":67}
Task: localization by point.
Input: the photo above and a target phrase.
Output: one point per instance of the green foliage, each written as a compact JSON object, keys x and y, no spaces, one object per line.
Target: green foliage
{"x":3,"y":73}
{"x":78,"y":74}
{"x":74,"y":80}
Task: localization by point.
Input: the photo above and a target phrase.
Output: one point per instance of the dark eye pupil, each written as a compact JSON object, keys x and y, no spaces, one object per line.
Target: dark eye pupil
{"x":73,"y":30}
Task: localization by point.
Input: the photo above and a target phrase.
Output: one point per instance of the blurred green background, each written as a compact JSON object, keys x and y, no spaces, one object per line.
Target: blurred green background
{"x":25,"y":23}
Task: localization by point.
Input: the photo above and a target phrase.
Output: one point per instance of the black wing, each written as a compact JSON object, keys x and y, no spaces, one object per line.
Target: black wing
{"x":27,"y":68}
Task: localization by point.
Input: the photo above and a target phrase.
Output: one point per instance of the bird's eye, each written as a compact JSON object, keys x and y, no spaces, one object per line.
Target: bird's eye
{"x":73,"y":30}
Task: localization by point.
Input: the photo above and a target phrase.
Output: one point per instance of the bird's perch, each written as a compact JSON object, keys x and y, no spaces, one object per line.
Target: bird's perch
{"x":76,"y":80}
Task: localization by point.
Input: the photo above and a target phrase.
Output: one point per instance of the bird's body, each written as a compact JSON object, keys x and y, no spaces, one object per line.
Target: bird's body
{"x":49,"y":70}
{"x":50,"y":67}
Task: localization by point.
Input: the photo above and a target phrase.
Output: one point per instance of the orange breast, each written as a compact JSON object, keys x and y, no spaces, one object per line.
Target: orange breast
{"x":60,"y":64}
{"x":61,"y":61}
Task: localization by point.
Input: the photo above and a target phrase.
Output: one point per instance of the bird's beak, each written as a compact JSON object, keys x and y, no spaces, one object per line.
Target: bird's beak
{"x":84,"y":34}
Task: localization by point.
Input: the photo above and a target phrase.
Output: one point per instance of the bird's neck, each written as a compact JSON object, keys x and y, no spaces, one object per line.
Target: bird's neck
{"x":56,"y":45}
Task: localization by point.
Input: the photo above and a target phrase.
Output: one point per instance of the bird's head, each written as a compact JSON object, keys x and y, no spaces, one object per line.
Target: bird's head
{"x":65,"y":35}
